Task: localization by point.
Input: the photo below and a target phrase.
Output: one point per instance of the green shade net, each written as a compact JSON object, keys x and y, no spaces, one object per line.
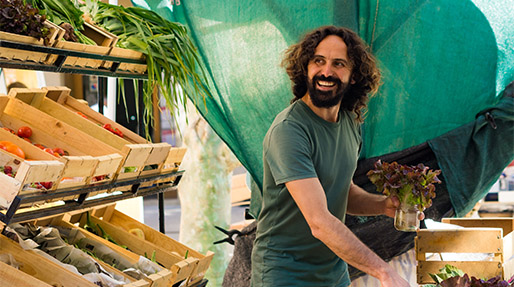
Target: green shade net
{"x":442,"y":62}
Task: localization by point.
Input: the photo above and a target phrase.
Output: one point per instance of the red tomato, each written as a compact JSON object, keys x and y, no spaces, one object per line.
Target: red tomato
{"x":49,"y":150}
{"x":59,"y":151}
{"x":40,"y":146}
{"x":107,"y":127}
{"x":24,"y":132}
{"x":12,"y":148}
{"x":9,"y":130}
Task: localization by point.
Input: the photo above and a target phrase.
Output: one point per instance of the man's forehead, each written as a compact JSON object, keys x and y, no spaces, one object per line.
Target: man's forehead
{"x":332,"y":47}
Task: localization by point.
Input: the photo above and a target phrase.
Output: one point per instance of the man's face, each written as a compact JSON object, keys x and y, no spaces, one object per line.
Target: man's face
{"x":328,"y":72}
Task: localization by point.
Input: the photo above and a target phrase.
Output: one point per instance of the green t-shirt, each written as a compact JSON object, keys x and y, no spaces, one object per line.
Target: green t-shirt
{"x":299,"y":145}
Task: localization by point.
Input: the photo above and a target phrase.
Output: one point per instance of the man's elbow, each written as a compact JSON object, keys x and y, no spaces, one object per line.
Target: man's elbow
{"x":318,"y":228}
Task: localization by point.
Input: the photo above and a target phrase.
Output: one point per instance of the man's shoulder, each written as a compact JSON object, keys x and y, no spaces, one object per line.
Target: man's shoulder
{"x":292,"y":113}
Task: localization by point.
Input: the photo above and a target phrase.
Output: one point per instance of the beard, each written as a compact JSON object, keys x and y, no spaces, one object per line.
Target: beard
{"x":326,"y":99}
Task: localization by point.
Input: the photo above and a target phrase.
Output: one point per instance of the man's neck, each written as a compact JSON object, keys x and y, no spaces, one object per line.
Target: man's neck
{"x":328,"y":114}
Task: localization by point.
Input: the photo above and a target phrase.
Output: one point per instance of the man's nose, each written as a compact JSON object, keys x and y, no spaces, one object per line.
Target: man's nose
{"x":327,"y":71}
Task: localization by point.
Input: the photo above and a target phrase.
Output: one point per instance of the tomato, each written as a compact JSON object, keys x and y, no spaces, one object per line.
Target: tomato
{"x":40,"y":146}
{"x":24,"y":132}
{"x":59,"y":151}
{"x":47,"y":184}
{"x":118,"y":132}
{"x":9,"y":130}
{"x":108,"y":127}
{"x":27,"y":139}
{"x":12,"y":148}
{"x":49,"y":150}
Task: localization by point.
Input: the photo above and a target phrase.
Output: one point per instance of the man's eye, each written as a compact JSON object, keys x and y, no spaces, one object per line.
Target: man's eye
{"x":318,"y":61}
{"x":340,"y":64}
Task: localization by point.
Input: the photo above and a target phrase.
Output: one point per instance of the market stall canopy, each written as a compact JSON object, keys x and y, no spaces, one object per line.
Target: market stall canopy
{"x":442,"y":62}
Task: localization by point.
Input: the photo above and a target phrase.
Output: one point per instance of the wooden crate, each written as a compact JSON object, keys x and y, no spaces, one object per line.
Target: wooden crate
{"x":27,"y":172}
{"x":89,"y":158}
{"x":48,"y":271}
{"x":128,"y":54}
{"x":12,"y":277}
{"x":56,"y":33}
{"x":71,"y":61}
{"x":159,"y":279}
{"x":168,"y":252}
{"x":99,"y":35}
{"x":491,"y":239}
{"x":137,"y":152}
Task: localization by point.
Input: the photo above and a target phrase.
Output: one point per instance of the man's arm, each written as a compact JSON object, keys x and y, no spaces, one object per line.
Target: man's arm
{"x":361,"y":202}
{"x":310,"y":198}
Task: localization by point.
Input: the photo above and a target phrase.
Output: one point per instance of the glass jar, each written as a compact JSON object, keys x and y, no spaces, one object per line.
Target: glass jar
{"x":406,"y":218}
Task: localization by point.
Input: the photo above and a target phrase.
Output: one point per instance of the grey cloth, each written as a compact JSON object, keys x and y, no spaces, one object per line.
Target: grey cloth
{"x":239,"y":269}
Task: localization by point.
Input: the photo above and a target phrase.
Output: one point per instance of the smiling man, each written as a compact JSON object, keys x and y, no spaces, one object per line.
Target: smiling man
{"x":310,"y":154}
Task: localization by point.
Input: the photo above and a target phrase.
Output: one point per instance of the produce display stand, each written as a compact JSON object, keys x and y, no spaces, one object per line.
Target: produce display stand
{"x":79,"y":198}
{"x":483,"y":248}
{"x":140,"y":157}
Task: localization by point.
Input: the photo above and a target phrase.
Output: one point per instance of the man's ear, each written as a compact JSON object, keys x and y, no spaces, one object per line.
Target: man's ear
{"x":352,"y":80}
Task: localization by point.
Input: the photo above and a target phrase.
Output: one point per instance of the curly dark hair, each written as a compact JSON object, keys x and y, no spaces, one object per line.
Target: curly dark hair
{"x":365,"y":73}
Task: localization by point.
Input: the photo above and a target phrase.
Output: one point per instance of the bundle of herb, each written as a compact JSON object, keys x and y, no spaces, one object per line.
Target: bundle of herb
{"x":410,"y":184}
{"x":172,"y":59}
{"x":64,"y":13}
{"x":23,"y":19}
{"x":451,"y":276}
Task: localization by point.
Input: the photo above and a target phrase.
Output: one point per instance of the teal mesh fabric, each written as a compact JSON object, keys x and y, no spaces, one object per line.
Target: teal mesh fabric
{"x":442,"y":62}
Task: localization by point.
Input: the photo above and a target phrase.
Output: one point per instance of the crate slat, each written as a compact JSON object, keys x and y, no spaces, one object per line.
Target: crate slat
{"x":476,"y":240}
{"x":479,"y":269}
{"x":41,"y":267}
{"x":479,"y":236}
{"x":12,"y":277}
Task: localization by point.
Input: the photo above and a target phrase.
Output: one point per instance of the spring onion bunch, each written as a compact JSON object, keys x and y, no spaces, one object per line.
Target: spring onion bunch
{"x":173,"y":63}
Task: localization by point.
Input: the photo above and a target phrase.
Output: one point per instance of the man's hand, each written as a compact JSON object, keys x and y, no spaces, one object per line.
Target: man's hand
{"x":391,"y":203}
{"x":393,"y":280}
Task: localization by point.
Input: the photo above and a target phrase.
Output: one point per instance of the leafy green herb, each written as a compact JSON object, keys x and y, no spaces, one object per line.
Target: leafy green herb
{"x":174,"y":65}
{"x":23,"y":19}
{"x":64,"y":11}
{"x":411,"y":184}
{"x":451,"y":276}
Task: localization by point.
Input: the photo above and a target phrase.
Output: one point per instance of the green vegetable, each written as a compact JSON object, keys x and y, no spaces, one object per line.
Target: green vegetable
{"x":174,"y":65}
{"x":451,"y":276}
{"x":23,"y":19}
{"x":446,"y":272}
{"x":63,"y":11}
{"x":411,"y":184}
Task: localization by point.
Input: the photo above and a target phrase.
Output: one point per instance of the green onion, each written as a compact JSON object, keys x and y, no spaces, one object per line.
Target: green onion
{"x":172,"y":58}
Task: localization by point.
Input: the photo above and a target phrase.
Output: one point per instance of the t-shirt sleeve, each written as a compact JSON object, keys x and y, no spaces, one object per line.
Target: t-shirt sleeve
{"x":287,"y":151}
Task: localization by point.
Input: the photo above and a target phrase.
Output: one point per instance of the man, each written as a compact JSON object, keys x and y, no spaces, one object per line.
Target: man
{"x":310,"y":155}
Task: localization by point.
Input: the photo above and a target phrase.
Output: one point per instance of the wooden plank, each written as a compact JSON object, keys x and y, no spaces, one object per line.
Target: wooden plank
{"x":36,"y":171}
{"x":99,"y":35}
{"x":476,"y":240}
{"x":108,"y":164}
{"x":42,"y":268}
{"x":58,"y":129}
{"x":10,"y":188}
{"x":180,"y":267}
{"x":505,"y":223}
{"x":33,"y":97}
{"x":127,"y":223}
{"x":479,"y":269}
{"x":12,"y":277}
